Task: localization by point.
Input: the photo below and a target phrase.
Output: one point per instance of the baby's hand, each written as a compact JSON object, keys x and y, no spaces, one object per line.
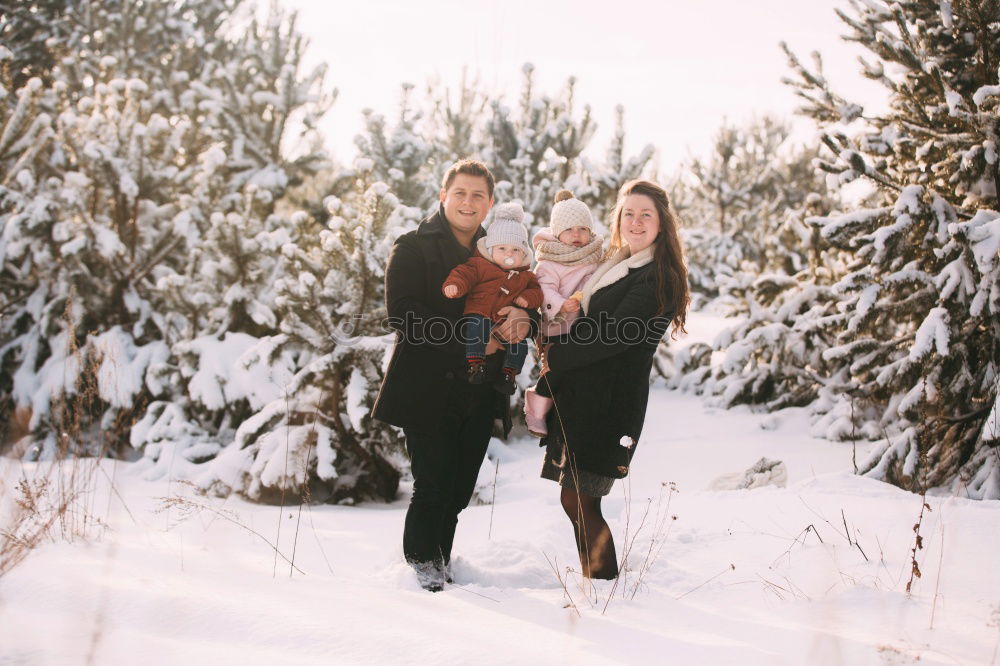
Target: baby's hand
{"x":521,"y":302}
{"x":450,"y":290}
{"x":570,"y":305}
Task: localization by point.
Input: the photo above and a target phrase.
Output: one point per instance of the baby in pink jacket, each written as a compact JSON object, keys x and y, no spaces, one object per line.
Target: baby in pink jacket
{"x":568,"y":253}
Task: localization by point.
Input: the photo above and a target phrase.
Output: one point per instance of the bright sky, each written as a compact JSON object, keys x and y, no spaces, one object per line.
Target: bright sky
{"x":679,"y":67}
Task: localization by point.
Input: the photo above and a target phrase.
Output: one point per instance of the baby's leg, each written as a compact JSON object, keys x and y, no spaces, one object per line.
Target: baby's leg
{"x":477,"y":332}
{"x":512,"y":363}
{"x":516,"y":354}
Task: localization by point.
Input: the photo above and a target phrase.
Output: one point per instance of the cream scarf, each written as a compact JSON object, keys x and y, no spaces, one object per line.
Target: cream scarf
{"x":567,"y":255}
{"x":613,"y":269}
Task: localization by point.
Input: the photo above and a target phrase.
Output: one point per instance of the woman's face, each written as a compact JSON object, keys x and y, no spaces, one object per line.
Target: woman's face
{"x":639,"y":222}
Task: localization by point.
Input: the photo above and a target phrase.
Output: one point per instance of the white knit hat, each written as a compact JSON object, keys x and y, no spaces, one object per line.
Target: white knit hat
{"x":568,"y":213}
{"x":507,"y":228}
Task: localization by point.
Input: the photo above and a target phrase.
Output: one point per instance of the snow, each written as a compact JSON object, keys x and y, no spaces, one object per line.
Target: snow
{"x":122,"y":369}
{"x":991,"y":428}
{"x":955,"y":102}
{"x":738,"y":576}
{"x":811,"y":568}
{"x":984,"y":93}
{"x":934,"y":332}
{"x":357,"y":389}
{"x":230,"y":369}
{"x":947,"y":19}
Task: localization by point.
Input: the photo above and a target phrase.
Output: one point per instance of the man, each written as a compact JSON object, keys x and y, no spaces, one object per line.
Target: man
{"x":447,"y":422}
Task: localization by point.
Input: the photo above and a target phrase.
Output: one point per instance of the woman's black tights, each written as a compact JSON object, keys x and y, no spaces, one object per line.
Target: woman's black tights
{"x":593,"y":536}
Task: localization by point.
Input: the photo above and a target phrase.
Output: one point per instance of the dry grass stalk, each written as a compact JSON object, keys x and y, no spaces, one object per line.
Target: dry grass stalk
{"x":918,"y":543}
{"x":58,"y":499}
{"x":569,"y":598}
{"x":187,"y":508}
{"x":731,"y":567}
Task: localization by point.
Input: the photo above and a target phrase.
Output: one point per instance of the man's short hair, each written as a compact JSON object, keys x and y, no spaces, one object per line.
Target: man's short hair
{"x":470,"y":168}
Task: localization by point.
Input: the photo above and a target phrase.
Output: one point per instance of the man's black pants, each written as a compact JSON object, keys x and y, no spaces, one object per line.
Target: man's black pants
{"x":445,"y":466}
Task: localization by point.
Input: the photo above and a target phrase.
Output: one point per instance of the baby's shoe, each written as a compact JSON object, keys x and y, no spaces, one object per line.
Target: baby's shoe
{"x":477,"y":372}
{"x":505,"y":382}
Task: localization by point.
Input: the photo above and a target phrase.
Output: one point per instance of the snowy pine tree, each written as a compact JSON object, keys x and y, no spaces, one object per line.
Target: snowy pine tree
{"x":30,"y":34}
{"x":534,"y":151}
{"x":145,"y":225}
{"x":600,"y":182}
{"x":317,"y":441}
{"x":455,"y":124}
{"x":904,"y":345}
{"x":400,"y":156}
{"x":744,"y":211}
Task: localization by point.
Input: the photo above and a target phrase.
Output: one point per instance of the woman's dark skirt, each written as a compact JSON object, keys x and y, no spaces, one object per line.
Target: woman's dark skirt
{"x":556,"y":467}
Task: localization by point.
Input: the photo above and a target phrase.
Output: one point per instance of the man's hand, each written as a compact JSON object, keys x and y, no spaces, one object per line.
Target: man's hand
{"x":450,"y":290}
{"x":520,"y":302}
{"x":493,"y":346}
{"x":516,"y":324}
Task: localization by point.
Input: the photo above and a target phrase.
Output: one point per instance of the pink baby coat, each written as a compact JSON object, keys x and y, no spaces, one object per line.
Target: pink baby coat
{"x":558,"y":282}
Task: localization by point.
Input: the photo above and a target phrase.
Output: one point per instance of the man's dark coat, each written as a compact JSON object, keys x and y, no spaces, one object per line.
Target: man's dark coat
{"x":429,"y":351}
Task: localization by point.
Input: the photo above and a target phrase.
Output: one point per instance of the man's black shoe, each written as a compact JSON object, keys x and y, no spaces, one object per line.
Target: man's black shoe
{"x":430,"y":575}
{"x":505,"y":383}
{"x":477,"y":373}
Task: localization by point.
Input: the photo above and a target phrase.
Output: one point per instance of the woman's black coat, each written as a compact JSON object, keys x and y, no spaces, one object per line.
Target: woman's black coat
{"x":599,"y":375}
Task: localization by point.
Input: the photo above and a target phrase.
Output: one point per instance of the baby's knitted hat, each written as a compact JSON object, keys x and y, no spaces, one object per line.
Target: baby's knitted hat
{"x":569,"y":212}
{"x":507,"y":228}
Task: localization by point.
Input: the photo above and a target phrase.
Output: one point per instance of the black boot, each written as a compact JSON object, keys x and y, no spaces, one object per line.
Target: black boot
{"x":430,"y":575}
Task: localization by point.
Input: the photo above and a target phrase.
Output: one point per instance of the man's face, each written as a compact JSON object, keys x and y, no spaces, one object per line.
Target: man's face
{"x":466,"y":201}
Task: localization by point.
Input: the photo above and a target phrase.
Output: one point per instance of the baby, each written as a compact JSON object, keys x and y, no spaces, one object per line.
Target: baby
{"x":495,"y":277}
{"x":568,"y":254}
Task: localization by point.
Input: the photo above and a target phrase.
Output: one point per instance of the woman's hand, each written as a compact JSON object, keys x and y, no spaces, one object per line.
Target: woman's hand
{"x":520,"y":302}
{"x":450,"y":290}
{"x":515,"y":326}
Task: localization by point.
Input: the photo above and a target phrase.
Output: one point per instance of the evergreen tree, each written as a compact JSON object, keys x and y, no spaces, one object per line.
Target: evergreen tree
{"x":904,"y":345}
{"x":400,"y":157}
{"x":145,"y":223}
{"x":602,"y":181}
{"x":31,"y":38}
{"x":534,"y":152}
{"x":745,"y":211}
{"x":455,"y":125}
{"x":317,"y":441}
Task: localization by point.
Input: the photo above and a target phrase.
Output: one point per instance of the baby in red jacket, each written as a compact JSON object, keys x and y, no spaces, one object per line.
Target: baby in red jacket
{"x":495,"y":277}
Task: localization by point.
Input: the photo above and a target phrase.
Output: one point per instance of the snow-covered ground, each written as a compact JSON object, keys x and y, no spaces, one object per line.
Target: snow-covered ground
{"x":812,"y":573}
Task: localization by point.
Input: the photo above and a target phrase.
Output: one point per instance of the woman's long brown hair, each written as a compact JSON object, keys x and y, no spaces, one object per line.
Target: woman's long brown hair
{"x":668,"y":255}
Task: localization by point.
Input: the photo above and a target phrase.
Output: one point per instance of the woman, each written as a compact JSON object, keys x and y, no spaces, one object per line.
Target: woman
{"x":599,"y":373}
